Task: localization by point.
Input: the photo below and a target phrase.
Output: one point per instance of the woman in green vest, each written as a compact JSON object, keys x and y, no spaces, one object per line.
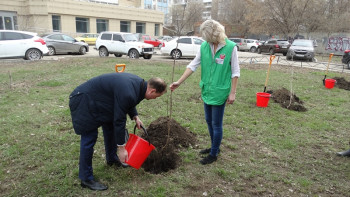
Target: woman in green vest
{"x":219,"y":76}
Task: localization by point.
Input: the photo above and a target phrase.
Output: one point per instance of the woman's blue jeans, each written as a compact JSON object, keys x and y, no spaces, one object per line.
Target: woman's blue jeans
{"x":214,"y":115}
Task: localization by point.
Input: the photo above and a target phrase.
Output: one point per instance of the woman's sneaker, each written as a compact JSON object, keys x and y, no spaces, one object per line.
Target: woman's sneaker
{"x":208,"y":160}
{"x":205,"y":151}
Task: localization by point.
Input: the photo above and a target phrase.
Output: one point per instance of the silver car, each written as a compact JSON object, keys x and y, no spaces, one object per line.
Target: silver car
{"x":59,"y":43}
{"x":241,"y":44}
{"x":302,"y":49}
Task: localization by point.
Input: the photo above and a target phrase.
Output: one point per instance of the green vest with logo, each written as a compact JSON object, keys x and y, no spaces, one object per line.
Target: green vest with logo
{"x":216,"y":73}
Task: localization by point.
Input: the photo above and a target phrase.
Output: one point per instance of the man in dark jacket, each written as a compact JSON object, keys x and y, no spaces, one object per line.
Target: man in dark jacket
{"x":106,"y":101}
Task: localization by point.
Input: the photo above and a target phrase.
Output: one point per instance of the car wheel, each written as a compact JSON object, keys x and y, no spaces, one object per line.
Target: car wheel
{"x":176,"y":54}
{"x":284,"y":54}
{"x":253,"y":49}
{"x":33,"y":54}
{"x":289,"y":57}
{"x":52,"y":51}
{"x":272,"y":52}
{"x":82,"y":51}
{"x":259,"y":50}
{"x":103,"y":52}
{"x":118,"y":55}
{"x":134,"y":54}
{"x":147,"y":56}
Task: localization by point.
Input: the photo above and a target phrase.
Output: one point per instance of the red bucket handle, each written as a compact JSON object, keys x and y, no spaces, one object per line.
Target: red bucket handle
{"x":145,"y":132}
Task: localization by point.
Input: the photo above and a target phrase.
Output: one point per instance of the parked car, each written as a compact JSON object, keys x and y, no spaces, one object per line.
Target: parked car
{"x":241,"y":44}
{"x":274,"y":46}
{"x":119,"y":43}
{"x":346,"y":58}
{"x":252,"y":45}
{"x":164,"y":38}
{"x":187,"y":46}
{"x":149,"y":40}
{"x":21,"y":44}
{"x":59,"y":43}
{"x":89,"y":38}
{"x":301,"y":49}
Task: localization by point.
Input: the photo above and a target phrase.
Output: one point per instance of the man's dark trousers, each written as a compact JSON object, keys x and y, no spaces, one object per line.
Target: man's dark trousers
{"x":87,"y":143}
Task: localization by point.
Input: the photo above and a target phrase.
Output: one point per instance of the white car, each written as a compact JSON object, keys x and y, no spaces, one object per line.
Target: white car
{"x":252,"y":45}
{"x":184,"y":46}
{"x":22,"y":44}
{"x":119,"y":43}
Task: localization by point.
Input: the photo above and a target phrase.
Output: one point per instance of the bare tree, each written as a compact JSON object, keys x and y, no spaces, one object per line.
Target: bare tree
{"x":233,"y":14}
{"x":178,"y":18}
{"x":336,"y":16}
{"x":193,"y":14}
{"x":185,"y":16}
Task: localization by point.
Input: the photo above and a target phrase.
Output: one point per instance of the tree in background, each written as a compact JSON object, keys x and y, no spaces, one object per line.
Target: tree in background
{"x":185,"y":16}
{"x":233,"y":14}
{"x":282,"y":17}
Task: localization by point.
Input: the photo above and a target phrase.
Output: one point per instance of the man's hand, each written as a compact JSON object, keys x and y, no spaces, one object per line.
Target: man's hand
{"x":122,"y":154}
{"x":138,"y":122}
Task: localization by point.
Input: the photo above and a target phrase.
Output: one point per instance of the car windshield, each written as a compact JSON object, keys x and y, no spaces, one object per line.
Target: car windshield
{"x":303,"y":43}
{"x":130,"y":38}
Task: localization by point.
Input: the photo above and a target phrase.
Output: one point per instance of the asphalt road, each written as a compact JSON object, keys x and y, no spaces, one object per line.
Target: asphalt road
{"x":244,"y":58}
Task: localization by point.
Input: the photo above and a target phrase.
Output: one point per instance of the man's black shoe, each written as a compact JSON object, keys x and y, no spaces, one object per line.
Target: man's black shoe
{"x":117,"y":163}
{"x":344,"y":153}
{"x":208,"y":160}
{"x":93,"y":185}
{"x":205,"y":151}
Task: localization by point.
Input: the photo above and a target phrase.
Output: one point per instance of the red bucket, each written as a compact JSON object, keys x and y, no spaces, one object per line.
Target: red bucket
{"x":138,"y":150}
{"x":329,"y":83}
{"x":262,"y":99}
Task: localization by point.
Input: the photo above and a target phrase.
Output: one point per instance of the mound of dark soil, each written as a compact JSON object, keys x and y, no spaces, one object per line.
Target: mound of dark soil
{"x":342,"y":83}
{"x":165,"y":157}
{"x":287,"y":100}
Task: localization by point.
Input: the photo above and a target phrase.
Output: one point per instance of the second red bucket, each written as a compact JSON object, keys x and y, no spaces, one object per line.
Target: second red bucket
{"x":329,"y":83}
{"x":138,"y":150}
{"x":262,"y":99}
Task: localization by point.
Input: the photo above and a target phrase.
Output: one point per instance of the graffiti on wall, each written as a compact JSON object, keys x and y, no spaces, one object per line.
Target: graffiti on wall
{"x":338,"y":44}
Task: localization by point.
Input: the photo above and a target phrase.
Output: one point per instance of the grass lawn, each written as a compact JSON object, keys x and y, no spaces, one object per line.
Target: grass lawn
{"x":265,"y":151}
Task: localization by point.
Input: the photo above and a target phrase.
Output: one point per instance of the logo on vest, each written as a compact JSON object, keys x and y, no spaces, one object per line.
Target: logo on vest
{"x":221,"y":59}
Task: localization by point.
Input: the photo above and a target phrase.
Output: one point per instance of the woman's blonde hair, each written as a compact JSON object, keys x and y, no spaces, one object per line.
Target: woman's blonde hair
{"x":212,"y":31}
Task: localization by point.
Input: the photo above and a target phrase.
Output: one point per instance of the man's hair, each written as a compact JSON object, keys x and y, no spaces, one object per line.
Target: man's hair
{"x":212,"y":31}
{"x":158,"y":84}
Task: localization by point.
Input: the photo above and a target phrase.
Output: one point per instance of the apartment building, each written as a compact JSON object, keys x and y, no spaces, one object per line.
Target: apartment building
{"x":160,"y":5}
{"x":80,"y":16}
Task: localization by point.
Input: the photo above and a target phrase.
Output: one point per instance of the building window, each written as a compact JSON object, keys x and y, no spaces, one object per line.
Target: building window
{"x":56,"y":23}
{"x":8,"y":23}
{"x":1,"y":23}
{"x":15,"y":22}
{"x":102,"y":25}
{"x":140,"y":28}
{"x":124,"y":26}
{"x":156,"y":29}
{"x":82,"y":25}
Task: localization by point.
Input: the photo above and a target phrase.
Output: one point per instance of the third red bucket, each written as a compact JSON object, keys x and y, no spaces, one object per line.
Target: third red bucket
{"x":262,"y":99}
{"x":138,"y":150}
{"x":329,"y":83}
